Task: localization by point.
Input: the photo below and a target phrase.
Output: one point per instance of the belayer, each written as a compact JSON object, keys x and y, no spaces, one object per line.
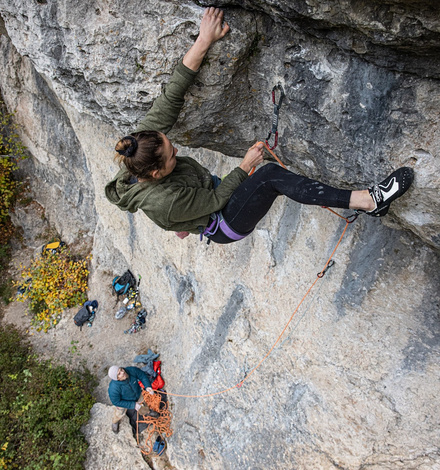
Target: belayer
{"x":125,"y":392}
{"x":180,"y":195}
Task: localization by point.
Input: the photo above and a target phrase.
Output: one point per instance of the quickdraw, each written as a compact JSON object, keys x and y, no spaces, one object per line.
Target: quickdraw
{"x":327,"y":267}
{"x":276,"y":112}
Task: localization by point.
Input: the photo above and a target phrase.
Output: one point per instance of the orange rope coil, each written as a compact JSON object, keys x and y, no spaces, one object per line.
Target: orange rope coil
{"x":160,"y":425}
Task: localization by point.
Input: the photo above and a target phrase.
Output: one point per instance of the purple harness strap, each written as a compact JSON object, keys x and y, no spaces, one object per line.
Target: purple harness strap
{"x":224,"y":227}
{"x":220,"y":223}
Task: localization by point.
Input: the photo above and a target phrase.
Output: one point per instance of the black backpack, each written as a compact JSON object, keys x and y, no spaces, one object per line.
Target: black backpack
{"x":122,"y":284}
{"x":84,"y":314}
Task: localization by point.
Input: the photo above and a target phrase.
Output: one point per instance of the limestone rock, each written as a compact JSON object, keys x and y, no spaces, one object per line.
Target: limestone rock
{"x":107,"y":450}
{"x":361,"y":82}
{"x":353,"y":382}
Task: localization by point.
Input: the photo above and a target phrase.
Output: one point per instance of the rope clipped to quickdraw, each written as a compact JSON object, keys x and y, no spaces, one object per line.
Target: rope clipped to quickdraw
{"x":276,"y":115}
{"x":272,"y":153}
{"x":160,"y":425}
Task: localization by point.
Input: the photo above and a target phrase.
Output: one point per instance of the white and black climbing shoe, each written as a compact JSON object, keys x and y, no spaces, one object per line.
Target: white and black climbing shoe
{"x":389,"y":189}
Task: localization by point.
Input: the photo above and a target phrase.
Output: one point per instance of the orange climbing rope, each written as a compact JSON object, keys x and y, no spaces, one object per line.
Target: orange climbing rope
{"x":160,"y":425}
{"x":271,"y":152}
{"x":320,"y":275}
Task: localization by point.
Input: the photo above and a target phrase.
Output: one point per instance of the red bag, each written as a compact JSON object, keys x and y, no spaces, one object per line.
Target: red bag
{"x":158,"y":382}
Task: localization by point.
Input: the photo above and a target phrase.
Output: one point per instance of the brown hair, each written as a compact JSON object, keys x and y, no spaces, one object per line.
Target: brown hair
{"x":141,"y":153}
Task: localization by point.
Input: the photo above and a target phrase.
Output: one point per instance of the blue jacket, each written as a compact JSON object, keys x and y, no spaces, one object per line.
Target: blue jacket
{"x":126,"y":393}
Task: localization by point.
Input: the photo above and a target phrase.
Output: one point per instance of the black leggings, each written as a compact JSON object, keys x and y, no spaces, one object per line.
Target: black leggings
{"x":251,"y":201}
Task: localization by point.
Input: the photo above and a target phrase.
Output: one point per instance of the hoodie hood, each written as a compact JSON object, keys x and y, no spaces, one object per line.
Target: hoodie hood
{"x":124,"y":194}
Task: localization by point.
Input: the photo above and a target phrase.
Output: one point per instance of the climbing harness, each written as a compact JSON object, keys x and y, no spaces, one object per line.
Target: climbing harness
{"x":219,"y":223}
{"x":160,"y":424}
{"x":276,"y":113}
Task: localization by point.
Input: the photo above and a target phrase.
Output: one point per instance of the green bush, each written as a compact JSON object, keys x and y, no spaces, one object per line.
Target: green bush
{"x":11,"y":151}
{"x":42,"y":408}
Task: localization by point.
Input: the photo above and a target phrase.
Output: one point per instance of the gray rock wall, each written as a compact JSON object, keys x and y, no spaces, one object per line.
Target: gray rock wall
{"x":361,"y":82}
{"x":353,"y":383}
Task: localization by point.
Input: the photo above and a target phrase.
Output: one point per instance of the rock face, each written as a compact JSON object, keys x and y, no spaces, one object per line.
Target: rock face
{"x":361,"y":82}
{"x":353,"y":382}
{"x":107,"y":450}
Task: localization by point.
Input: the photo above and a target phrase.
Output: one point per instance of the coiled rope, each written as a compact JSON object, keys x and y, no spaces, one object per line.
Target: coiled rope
{"x":160,"y":425}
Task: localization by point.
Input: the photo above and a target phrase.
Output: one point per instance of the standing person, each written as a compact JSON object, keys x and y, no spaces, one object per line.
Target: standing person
{"x":180,"y":195}
{"x":125,"y":392}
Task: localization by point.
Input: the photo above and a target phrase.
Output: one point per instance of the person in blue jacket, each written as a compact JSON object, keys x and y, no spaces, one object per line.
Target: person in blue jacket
{"x":125,"y":392}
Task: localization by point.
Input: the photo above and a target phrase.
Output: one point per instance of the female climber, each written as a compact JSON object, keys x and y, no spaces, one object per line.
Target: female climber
{"x":180,"y":195}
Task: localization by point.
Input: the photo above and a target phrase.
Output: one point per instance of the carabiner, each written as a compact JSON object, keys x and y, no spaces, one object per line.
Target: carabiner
{"x":351,"y":218}
{"x":276,"y":112}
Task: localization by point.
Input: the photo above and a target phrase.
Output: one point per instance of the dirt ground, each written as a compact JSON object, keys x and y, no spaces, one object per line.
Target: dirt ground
{"x":97,"y":347}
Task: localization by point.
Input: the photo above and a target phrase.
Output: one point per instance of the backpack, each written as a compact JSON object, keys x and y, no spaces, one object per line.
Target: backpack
{"x":52,"y":247}
{"x":122,"y":284}
{"x":84,"y":314}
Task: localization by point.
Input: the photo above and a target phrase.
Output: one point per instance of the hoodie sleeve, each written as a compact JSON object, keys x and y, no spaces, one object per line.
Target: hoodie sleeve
{"x":166,"y":108}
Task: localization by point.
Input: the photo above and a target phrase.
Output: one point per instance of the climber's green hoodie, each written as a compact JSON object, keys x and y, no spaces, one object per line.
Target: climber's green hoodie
{"x":183,"y":200}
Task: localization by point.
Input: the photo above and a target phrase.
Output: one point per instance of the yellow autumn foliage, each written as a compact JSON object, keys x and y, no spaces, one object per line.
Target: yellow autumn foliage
{"x":53,"y":282}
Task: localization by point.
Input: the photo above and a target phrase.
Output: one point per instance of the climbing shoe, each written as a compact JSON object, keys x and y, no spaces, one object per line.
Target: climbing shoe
{"x":392,"y":187}
{"x":115,"y":427}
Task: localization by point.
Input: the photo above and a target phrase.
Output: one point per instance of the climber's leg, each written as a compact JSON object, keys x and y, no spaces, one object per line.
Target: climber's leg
{"x":253,"y":198}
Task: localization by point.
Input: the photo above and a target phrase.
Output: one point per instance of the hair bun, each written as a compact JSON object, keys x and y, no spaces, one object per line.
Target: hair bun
{"x":128,"y":148}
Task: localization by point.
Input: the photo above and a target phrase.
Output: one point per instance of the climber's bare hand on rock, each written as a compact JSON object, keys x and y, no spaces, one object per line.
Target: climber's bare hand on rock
{"x":212,"y":27}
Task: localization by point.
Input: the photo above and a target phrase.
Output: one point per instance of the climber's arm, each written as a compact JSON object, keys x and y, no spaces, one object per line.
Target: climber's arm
{"x":166,"y":108}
